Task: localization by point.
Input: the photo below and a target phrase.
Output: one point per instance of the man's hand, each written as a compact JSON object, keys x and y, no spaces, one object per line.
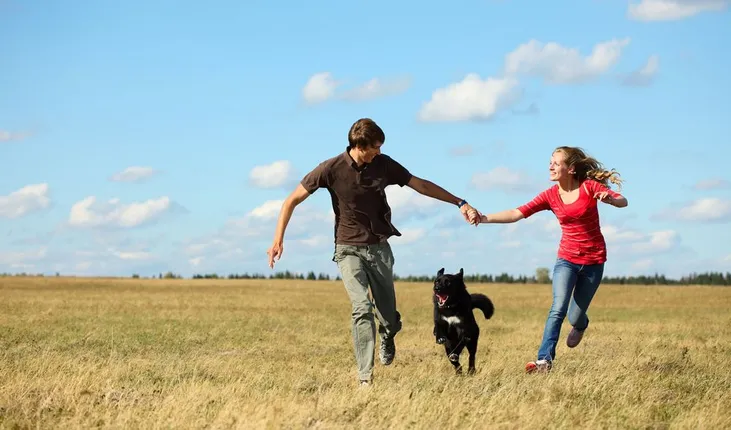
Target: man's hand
{"x":275,"y":252}
{"x":285,"y":214}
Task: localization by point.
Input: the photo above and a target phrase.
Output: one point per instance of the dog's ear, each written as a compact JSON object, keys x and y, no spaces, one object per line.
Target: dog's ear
{"x":440,"y":272}
{"x":461,"y":272}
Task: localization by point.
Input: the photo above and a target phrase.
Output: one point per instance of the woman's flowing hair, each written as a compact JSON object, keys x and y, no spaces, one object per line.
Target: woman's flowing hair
{"x":586,"y":167}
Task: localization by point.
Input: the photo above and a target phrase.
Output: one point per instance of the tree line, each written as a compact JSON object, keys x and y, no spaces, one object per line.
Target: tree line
{"x":542,"y":276}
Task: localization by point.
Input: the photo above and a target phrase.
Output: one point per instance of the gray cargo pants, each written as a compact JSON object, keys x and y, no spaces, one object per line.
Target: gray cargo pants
{"x":362,"y":266}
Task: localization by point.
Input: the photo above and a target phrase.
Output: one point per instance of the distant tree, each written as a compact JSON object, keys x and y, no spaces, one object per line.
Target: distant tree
{"x":542,"y":275}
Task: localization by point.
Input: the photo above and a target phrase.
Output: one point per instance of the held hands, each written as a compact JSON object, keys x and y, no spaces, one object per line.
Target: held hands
{"x":470,"y":214}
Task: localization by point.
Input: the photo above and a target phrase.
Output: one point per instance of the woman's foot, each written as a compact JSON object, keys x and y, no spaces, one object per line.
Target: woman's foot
{"x":574,"y":337}
{"x":538,"y":366}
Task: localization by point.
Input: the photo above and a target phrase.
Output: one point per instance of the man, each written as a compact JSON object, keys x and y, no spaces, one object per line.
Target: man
{"x":356,"y":180}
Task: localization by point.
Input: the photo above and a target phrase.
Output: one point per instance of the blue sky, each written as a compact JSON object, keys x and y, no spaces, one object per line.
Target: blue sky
{"x":142,"y":138}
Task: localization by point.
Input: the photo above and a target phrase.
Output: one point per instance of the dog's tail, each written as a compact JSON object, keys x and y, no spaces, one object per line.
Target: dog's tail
{"x":483,"y":303}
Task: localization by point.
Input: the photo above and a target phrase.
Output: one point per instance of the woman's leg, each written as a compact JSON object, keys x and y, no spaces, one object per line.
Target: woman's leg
{"x":588,"y":281}
{"x":564,"y":279}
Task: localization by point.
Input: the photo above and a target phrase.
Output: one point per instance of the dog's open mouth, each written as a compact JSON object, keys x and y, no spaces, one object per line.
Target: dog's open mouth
{"x":441,"y":299}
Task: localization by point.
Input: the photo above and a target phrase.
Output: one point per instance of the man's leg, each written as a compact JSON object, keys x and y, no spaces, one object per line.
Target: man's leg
{"x":564,"y":279}
{"x":355,"y":279}
{"x":380,"y":275}
{"x":586,"y":286}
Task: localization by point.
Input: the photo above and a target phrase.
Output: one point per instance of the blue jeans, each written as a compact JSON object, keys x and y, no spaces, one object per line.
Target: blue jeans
{"x":579,"y":279}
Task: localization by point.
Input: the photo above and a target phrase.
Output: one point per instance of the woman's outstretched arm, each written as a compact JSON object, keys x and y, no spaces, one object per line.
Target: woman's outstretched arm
{"x":504,"y":217}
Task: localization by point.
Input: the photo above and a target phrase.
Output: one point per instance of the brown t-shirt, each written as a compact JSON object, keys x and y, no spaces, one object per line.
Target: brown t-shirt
{"x":362,"y":214}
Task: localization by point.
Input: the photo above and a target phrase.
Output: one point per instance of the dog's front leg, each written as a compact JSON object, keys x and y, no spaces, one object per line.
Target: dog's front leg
{"x":440,"y":331}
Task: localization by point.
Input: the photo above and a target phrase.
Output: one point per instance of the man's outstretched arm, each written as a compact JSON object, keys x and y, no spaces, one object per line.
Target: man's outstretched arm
{"x":430,"y":189}
{"x":285,"y":214}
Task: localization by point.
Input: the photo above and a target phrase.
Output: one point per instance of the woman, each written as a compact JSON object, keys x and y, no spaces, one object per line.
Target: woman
{"x":581,"y":181}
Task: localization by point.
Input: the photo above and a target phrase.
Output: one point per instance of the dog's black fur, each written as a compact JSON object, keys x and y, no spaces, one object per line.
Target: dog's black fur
{"x":453,"y":302}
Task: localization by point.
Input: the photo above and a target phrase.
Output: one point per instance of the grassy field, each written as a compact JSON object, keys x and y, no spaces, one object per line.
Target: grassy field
{"x":82,"y":353}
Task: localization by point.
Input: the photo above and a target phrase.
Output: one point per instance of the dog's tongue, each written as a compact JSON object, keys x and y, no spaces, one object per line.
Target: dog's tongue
{"x":442,"y":298}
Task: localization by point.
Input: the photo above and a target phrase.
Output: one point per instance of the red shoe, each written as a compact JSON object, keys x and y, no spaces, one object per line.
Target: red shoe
{"x":538,"y":366}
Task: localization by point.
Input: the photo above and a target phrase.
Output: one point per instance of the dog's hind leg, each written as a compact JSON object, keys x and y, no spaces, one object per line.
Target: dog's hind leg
{"x":472,"y":349}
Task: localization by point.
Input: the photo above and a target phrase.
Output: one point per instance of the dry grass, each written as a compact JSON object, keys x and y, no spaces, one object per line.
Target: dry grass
{"x":81,"y":353}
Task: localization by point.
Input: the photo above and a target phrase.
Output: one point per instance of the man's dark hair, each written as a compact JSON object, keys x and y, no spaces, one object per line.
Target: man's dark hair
{"x":365,"y":133}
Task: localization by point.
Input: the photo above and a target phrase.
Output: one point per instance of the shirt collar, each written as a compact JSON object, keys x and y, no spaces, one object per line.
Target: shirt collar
{"x":348,"y":159}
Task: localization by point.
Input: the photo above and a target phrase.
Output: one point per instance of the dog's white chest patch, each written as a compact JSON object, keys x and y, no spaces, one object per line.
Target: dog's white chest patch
{"x":452,"y":320}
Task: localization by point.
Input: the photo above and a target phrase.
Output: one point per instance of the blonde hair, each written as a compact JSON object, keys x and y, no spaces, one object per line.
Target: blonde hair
{"x":586,"y":167}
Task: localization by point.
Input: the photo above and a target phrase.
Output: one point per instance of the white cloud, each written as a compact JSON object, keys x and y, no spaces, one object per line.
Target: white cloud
{"x":309,"y":227}
{"x":131,"y":255}
{"x":405,"y":203}
{"x":642,"y":264}
{"x":475,"y":99}
{"x":670,"y":10}
{"x":622,"y":239}
{"x":196,"y":261}
{"x":319,"y":88}
{"x":317,"y":241}
{"x":28,"y":199}
{"x":557,"y":64}
{"x":710,"y":209}
{"x":273,"y":175}
{"x":9,"y":136}
{"x":614,"y":234}
{"x":98,"y":256}
{"x":268,"y":211}
{"x":705,"y":210}
{"x":645,"y":75}
{"x":712,"y":184}
{"x":376,"y":88}
{"x":89,"y":213}
{"x":543,"y":227}
{"x":133,"y":174}
{"x":505,"y":179}
{"x":322,"y":87}
{"x":470,"y":99}
{"x":23,"y":259}
{"x":656,"y":242}
{"x":262,"y":221}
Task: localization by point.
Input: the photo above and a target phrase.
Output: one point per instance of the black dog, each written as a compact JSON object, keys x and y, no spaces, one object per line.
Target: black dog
{"x":454,"y":323}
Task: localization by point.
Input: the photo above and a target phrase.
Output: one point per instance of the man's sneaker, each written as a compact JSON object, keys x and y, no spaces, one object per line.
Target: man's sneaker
{"x":538,"y":366}
{"x":364,"y":384}
{"x":574,"y":337}
{"x":388,"y":350}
